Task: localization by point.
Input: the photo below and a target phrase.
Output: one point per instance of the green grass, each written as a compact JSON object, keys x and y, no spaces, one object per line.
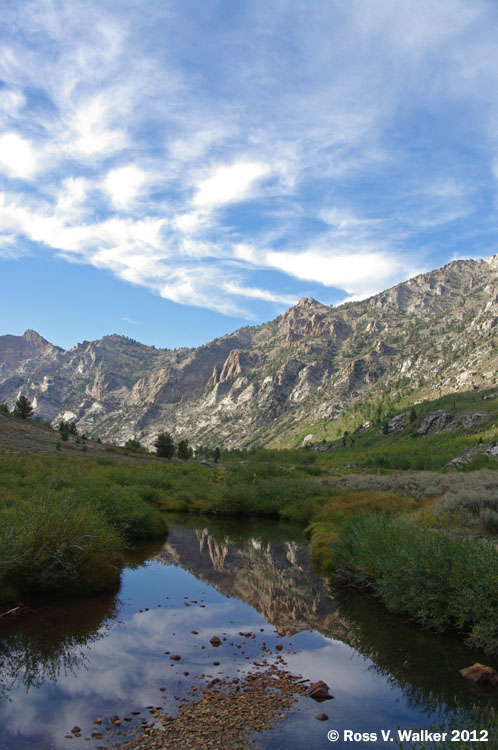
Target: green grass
{"x":258,"y":488}
{"x":442,"y":581}
{"x":370,"y":448}
{"x":54,"y":542}
{"x":64,"y":522}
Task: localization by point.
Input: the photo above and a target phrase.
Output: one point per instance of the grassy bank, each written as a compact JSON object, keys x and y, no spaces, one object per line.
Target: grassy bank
{"x":64,"y":522}
{"x":440,"y":580}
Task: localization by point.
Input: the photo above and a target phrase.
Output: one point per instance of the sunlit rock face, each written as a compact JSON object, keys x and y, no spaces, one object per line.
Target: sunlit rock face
{"x":259,"y":384}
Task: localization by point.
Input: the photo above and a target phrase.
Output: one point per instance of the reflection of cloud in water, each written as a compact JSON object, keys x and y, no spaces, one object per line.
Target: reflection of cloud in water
{"x":129,"y":664}
{"x":125,"y":666}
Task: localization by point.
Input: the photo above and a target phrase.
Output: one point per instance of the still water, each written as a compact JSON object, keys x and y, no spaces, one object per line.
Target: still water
{"x":66,"y":663}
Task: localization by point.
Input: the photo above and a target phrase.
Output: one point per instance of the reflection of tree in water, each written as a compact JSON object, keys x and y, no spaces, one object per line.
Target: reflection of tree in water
{"x":50,"y":638}
{"x":424,"y":665}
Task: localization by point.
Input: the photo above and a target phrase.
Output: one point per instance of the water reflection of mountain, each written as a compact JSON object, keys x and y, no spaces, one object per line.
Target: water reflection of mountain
{"x":275,"y":577}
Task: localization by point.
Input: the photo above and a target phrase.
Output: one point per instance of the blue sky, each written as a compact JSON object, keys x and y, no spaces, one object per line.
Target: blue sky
{"x":173,"y":170}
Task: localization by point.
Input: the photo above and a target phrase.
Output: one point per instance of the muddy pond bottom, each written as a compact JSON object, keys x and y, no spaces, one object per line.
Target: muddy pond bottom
{"x":216,"y":608}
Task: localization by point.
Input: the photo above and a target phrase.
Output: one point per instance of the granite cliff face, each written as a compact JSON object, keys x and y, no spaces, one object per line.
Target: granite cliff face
{"x":437,"y":333}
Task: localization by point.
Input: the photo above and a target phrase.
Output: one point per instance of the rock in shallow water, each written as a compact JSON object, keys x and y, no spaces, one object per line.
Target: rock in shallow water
{"x":481,"y":675}
{"x":319,"y":691}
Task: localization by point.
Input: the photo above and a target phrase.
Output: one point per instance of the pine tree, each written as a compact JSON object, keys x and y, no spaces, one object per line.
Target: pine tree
{"x":164,"y":445}
{"x":23,"y":408}
{"x":184,"y":450}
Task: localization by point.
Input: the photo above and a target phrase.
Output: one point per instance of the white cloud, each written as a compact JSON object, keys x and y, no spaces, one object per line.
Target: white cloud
{"x":448,"y":188}
{"x":17,"y":156}
{"x":71,"y":197}
{"x":11,"y":102}
{"x":229,"y":184}
{"x":342,"y":219}
{"x":99,"y":96}
{"x":192,"y":147}
{"x":124,"y":184}
{"x":8,"y":247}
{"x":263,"y":294}
{"x":92,"y":133}
{"x":349,"y":270}
{"x":190,"y":222}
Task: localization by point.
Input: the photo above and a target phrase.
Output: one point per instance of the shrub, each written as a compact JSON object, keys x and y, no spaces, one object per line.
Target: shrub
{"x":134,"y":445}
{"x":474,"y":505}
{"x":489,"y":521}
{"x":439,"y":580}
{"x":59,"y":544}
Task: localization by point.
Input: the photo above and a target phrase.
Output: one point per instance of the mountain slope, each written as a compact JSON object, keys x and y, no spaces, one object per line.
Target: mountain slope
{"x":434,"y":334}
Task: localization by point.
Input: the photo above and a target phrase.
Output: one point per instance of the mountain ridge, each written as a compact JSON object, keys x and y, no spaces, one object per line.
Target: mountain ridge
{"x":265,"y":384}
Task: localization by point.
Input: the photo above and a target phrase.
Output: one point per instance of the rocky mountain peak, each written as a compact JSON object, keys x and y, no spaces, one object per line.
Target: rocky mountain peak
{"x":433,"y":334}
{"x":37,"y":342}
{"x":493,"y":261}
{"x":308,"y":303}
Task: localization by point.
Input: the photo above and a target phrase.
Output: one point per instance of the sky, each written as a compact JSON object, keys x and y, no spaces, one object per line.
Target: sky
{"x":172,"y":170}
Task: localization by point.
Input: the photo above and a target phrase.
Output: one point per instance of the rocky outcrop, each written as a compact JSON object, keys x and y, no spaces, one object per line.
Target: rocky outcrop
{"x":260,"y":384}
{"x":441,"y":421}
{"x":436,"y":421}
{"x":396,"y":423}
{"x":235,"y":364}
{"x":15,"y":351}
{"x":467,"y":455}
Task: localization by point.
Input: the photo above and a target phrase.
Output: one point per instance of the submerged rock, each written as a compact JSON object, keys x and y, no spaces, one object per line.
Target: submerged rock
{"x":480,"y":674}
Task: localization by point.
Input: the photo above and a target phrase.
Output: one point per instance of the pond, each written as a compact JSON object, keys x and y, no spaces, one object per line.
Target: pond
{"x":67,"y":664}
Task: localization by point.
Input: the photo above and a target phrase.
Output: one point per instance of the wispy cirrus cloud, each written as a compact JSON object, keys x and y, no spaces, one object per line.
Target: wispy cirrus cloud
{"x":213,"y":160}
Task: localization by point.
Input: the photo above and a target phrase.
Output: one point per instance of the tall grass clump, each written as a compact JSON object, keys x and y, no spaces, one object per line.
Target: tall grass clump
{"x":56,"y":544}
{"x":440,"y":581}
{"x":63,"y":522}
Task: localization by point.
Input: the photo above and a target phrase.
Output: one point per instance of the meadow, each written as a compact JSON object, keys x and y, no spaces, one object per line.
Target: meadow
{"x":65,"y":520}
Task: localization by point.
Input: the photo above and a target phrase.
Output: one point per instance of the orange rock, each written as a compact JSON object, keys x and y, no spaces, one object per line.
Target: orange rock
{"x":481,"y":675}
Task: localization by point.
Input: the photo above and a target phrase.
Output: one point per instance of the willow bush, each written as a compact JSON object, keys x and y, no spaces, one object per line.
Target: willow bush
{"x":441,"y":581}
